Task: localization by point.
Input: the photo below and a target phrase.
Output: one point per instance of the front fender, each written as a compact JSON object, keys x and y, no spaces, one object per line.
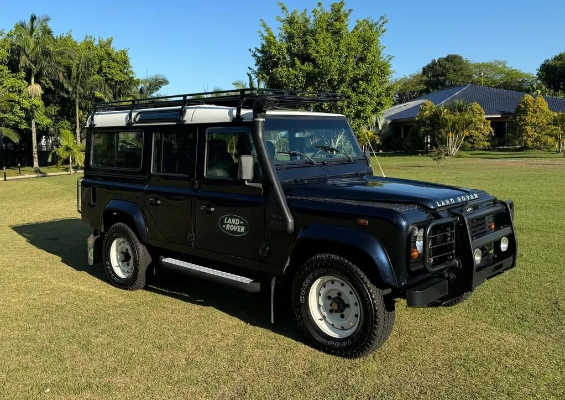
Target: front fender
{"x":353,"y":238}
{"x":132,"y":210}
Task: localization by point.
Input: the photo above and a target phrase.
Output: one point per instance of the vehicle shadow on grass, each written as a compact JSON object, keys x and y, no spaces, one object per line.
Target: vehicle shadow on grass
{"x":66,"y":239}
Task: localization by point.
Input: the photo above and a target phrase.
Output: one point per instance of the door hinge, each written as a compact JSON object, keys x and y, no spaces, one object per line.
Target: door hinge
{"x":263,"y":251}
{"x":191,"y":237}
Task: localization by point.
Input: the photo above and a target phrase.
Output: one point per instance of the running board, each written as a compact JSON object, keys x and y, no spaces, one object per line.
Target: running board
{"x":214,"y":275}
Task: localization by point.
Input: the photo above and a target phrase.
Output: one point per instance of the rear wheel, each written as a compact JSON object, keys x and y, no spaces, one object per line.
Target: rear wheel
{"x":124,"y":257}
{"x":339,"y":309}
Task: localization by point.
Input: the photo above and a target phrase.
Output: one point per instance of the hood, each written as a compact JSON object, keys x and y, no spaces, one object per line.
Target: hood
{"x":386,"y":190}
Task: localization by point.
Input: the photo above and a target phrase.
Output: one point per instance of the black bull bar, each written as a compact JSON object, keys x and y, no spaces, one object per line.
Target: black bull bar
{"x":461,"y":275}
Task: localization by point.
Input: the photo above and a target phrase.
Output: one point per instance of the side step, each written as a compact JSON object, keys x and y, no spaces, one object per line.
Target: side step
{"x":214,"y":275}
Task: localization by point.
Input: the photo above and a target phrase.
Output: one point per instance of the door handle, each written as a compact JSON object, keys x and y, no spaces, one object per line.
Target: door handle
{"x":207,"y":208}
{"x":154,"y":202}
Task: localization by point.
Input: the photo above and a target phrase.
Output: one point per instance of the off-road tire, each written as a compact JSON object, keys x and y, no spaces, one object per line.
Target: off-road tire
{"x":456,"y":300}
{"x":377,"y":315}
{"x":140,"y":256}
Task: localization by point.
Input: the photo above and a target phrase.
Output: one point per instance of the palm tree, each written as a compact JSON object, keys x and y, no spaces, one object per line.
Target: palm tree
{"x":80,"y":79}
{"x":68,"y":149}
{"x":151,"y":85}
{"x":34,"y":41}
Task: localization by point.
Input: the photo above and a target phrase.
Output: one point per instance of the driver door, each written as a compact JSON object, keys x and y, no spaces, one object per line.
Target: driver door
{"x":230,"y":214}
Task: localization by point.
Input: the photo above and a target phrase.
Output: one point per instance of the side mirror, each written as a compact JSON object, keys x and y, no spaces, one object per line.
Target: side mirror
{"x":245,"y":168}
{"x":368,"y":156}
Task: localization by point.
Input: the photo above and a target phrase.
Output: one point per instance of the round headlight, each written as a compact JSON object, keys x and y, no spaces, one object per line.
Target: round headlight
{"x":504,"y":244}
{"x":478,"y":254}
{"x":420,"y":241}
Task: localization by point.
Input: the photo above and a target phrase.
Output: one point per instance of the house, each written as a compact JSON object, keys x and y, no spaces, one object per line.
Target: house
{"x":499,"y":106}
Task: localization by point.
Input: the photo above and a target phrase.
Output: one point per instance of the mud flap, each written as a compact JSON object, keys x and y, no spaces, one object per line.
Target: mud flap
{"x":94,"y":252}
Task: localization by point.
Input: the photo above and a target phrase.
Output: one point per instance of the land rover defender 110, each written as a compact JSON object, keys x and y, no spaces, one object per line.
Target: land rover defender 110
{"x":244,"y":189}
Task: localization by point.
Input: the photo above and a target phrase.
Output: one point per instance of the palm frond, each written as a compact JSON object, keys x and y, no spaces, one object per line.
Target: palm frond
{"x":10,"y":134}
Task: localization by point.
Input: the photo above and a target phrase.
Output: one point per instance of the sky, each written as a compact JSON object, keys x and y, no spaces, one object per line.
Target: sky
{"x":199,"y":45}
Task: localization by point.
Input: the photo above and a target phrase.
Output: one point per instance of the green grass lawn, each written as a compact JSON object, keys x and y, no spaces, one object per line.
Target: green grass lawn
{"x":14,"y":171}
{"x":64,"y":330}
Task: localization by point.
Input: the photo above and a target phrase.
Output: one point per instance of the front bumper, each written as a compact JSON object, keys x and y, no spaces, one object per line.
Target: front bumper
{"x":439,"y":288}
{"x":460,"y":274}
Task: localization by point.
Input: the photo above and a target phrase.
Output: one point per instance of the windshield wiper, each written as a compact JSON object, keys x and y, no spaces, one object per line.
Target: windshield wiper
{"x":298,"y":153}
{"x":330,"y":148}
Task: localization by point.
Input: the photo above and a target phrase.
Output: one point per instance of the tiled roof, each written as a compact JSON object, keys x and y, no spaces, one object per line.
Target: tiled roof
{"x":495,"y":102}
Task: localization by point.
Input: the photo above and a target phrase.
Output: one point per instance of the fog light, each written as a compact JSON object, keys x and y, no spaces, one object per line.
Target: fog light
{"x":478,"y":254}
{"x":504,"y":244}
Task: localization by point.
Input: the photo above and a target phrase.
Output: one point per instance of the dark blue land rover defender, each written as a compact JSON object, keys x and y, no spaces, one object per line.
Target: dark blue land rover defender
{"x":233,"y":188}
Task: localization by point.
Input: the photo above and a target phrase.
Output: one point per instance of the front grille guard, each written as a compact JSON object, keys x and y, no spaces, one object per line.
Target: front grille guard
{"x":428,"y":236}
{"x":464,"y":233}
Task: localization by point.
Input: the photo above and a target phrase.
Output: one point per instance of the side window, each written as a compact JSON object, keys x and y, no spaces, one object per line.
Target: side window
{"x":223,"y":149}
{"x":174,"y":153}
{"x":117,"y":150}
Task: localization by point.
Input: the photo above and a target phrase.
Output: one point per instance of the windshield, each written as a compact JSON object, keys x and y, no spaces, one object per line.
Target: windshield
{"x":310,"y":140}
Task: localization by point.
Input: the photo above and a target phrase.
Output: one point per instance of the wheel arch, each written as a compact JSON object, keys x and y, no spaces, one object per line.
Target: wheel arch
{"x":357,"y":246}
{"x":128,"y":213}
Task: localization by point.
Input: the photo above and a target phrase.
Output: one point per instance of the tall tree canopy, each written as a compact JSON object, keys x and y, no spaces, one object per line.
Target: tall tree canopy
{"x":552,"y":72}
{"x":319,"y":52}
{"x":499,"y":74}
{"x":445,"y":72}
{"x":531,"y":123}
{"x":408,"y":88}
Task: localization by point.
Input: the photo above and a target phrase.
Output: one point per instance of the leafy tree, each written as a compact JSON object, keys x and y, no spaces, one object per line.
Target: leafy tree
{"x":498,"y":74}
{"x":558,"y":130}
{"x":531,"y":122}
{"x":6,"y":106}
{"x":319,"y":52}
{"x":452,"y":125}
{"x":409,"y":88}
{"x":445,"y":72}
{"x":552,"y":72}
{"x":68,"y":149}
{"x":34,"y":42}
{"x":115,"y":71}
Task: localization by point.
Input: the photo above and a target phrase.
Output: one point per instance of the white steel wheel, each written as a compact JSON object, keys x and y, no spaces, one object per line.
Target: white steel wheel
{"x":334,"y":306}
{"x":121,"y":258}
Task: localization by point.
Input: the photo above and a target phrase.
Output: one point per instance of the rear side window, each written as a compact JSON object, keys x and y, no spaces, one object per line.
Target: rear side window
{"x":174,"y":153}
{"x":117,"y":150}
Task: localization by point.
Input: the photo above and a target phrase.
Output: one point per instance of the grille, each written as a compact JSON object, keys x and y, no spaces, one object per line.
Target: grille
{"x":480,"y":225}
{"x":441,"y":244}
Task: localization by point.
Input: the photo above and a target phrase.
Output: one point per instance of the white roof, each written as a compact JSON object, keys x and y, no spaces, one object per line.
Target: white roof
{"x":194,"y":115}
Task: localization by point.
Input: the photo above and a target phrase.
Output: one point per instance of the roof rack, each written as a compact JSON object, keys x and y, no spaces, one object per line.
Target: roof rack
{"x":240,"y":98}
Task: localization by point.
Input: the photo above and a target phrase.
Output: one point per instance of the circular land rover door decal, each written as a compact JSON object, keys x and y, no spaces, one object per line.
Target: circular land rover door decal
{"x":233,"y":225}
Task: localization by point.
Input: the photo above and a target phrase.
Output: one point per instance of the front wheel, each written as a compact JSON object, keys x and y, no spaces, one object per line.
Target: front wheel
{"x":339,"y":309}
{"x":124,"y":257}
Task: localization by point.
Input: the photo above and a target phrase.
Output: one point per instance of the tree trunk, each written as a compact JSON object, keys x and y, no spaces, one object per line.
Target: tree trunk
{"x":71,"y":164}
{"x":34,"y":146}
{"x":77,"y":120}
{"x":34,"y":137}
